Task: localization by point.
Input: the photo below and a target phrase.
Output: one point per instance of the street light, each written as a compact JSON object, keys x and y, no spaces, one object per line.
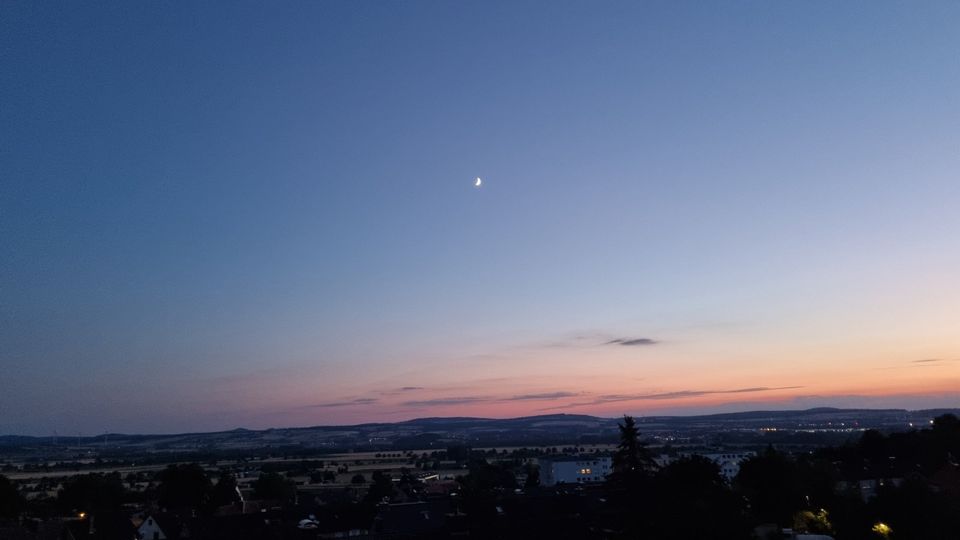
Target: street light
{"x":882,"y":529}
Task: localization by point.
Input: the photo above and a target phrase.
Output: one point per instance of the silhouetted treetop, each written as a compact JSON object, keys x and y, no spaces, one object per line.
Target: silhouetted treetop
{"x":632,"y":457}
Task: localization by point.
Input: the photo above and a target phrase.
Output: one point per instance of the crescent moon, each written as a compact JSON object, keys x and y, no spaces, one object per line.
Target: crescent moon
{"x":477,"y":182}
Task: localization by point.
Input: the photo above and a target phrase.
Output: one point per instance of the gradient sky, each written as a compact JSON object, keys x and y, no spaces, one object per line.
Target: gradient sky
{"x":216,"y":215}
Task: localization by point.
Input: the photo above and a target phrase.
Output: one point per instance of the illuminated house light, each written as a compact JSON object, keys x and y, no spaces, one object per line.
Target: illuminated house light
{"x":574,"y":469}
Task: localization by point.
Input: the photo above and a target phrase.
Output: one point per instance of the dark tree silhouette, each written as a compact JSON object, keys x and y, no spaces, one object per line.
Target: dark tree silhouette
{"x":692,"y":500}
{"x":274,"y":486}
{"x":480,"y":490}
{"x":947,"y":423}
{"x":409,"y":484}
{"x":225,"y":491}
{"x":631,"y":485}
{"x":487,"y":477}
{"x":946,"y":431}
{"x":533,"y":476}
{"x":914,"y":510}
{"x":92,"y":493}
{"x":772,"y":486}
{"x":10,"y":500}
{"x":458,"y":453}
{"x":632,"y":459}
{"x":184,"y":489}
{"x":381,"y":487}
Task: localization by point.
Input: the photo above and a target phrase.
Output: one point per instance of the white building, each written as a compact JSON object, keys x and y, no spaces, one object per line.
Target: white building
{"x":574,"y":470}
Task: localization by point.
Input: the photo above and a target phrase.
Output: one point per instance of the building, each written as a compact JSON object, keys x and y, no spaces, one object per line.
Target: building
{"x":160,"y":527}
{"x":574,"y":470}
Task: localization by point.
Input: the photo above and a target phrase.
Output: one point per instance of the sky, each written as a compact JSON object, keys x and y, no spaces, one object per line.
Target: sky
{"x":232,"y":214}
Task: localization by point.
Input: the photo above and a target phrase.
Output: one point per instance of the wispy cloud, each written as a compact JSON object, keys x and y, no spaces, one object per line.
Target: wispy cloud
{"x":358,"y":401}
{"x":678,"y":394}
{"x":466,"y":400}
{"x":460,"y":400}
{"x":584,"y":340}
{"x":599,"y":400}
{"x":538,"y":397}
{"x":401,"y":390}
{"x":632,"y":342}
{"x":922,"y":363}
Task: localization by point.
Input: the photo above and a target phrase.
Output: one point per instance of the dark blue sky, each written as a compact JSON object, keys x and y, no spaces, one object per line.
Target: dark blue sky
{"x":228,"y":214}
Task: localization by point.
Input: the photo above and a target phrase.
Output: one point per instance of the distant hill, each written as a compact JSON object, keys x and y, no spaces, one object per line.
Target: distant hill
{"x":440,"y":432}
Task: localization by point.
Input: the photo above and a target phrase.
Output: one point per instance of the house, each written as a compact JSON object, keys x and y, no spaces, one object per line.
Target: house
{"x":574,"y":469}
{"x":161,"y":527}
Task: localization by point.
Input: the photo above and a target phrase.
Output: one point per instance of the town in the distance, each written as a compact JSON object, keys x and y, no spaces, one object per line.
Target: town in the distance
{"x":808,"y":474}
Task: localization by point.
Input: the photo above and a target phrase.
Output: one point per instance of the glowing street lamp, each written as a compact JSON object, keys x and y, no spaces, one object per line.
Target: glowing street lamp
{"x":882,"y":529}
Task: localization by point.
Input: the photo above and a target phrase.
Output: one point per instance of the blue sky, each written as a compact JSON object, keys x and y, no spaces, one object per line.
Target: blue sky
{"x":236,"y":214}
